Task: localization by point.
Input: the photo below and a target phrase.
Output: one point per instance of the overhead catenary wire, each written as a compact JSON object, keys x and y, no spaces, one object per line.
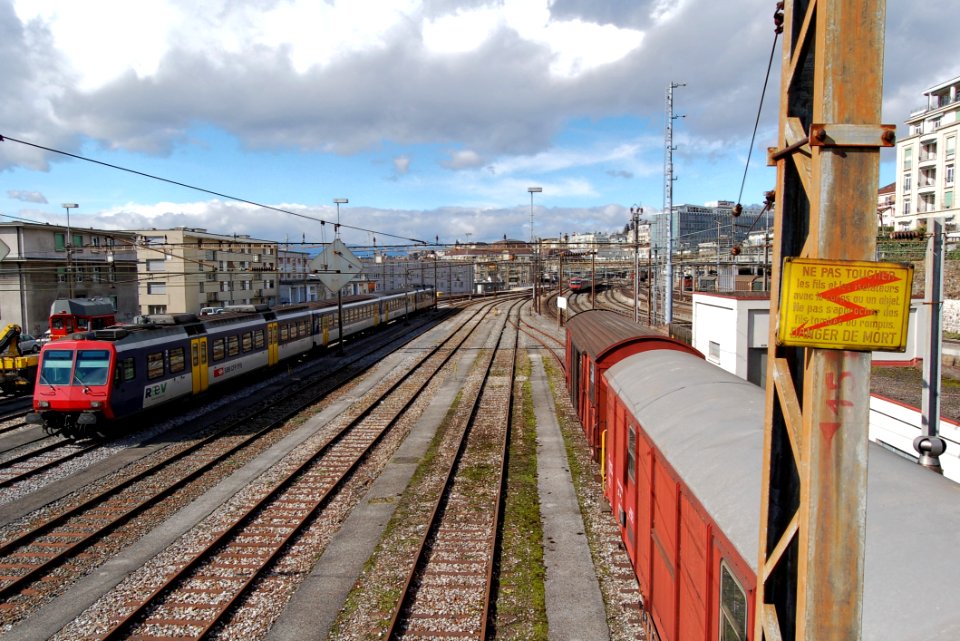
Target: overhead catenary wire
{"x":4,"y":137}
{"x":778,"y":29}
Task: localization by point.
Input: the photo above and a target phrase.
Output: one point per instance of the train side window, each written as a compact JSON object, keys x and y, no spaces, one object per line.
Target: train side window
{"x":733,"y":606}
{"x":632,"y":453}
{"x":258,"y":341}
{"x":177,"y":360}
{"x":127,"y":370}
{"x":284,"y":333}
{"x":304,"y":328}
{"x":233,"y":345}
{"x":246,"y":341}
{"x":155,"y":365}
{"x":218,"y":349}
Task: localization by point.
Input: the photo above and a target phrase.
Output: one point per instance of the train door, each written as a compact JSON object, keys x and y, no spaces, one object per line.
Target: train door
{"x":273,"y":344}
{"x":198,"y":362}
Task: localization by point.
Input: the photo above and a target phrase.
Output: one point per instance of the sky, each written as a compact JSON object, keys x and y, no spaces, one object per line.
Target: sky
{"x":433,"y":118}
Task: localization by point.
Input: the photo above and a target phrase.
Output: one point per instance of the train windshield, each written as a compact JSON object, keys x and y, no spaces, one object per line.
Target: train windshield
{"x":92,"y":367}
{"x":56,"y":367}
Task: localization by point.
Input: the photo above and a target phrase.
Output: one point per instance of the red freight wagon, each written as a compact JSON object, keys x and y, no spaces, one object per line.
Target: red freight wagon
{"x":684,"y":474}
{"x":596,"y":340}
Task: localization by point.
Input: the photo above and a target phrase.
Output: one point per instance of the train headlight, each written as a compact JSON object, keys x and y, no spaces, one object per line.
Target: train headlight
{"x":96,"y":404}
{"x":43,"y":404}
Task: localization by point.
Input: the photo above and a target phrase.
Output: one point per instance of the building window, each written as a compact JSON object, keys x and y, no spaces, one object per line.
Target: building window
{"x":77,"y":243}
{"x":948,"y":175}
{"x":907,"y":182}
{"x":59,"y":241}
{"x":156,"y":288}
{"x":906,"y":207}
{"x":948,"y":200}
{"x":908,"y":157}
{"x":156,"y":265}
{"x":951,"y":147}
{"x":156,"y":309}
{"x":713,"y":353}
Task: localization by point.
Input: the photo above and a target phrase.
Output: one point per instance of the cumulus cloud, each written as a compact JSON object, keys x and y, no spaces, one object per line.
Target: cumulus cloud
{"x":401,"y":165}
{"x":464,"y":159}
{"x":27,"y":196}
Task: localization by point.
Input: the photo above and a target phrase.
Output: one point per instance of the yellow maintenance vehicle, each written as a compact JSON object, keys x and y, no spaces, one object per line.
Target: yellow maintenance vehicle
{"x":18,"y":371}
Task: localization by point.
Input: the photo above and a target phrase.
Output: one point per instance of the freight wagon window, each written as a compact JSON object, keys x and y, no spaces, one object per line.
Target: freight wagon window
{"x":93,"y":367}
{"x":57,"y":364}
{"x":733,"y":607}
{"x":155,"y":365}
{"x":218,"y":349}
{"x":258,"y":339}
{"x":246,"y":341}
{"x":233,"y":345}
{"x":178,"y":361}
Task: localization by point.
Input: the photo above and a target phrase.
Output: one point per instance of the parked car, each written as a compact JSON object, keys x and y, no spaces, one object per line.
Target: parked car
{"x":211,"y":311}
{"x":43,"y":340}
{"x":29,"y":344}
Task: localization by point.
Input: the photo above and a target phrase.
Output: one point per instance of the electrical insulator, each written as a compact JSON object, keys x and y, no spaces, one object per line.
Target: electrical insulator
{"x":737,"y":210}
{"x":735,"y":250}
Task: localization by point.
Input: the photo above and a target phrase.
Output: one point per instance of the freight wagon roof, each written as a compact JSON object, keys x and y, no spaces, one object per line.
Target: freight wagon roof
{"x":715,"y":445}
{"x":598,"y":331}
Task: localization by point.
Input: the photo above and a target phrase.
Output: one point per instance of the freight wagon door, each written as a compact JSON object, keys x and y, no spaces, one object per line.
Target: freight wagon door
{"x":198,"y":362}
{"x":273,"y":344}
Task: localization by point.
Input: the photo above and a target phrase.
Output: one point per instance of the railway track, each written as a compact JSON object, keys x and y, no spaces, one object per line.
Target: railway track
{"x":70,"y":532}
{"x":96,"y":514}
{"x":449,"y":585}
{"x":198,"y":593}
{"x":37,"y":460}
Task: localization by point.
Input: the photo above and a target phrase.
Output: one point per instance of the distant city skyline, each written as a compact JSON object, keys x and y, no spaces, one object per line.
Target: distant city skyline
{"x":433,"y":120}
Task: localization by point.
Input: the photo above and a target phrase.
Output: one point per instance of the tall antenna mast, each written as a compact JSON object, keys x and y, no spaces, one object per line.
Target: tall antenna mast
{"x":668,"y":204}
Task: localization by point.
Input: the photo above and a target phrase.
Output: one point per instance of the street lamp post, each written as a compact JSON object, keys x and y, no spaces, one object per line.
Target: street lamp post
{"x":338,"y":202}
{"x":69,"y":248}
{"x":636,"y":211}
{"x":536,"y":256}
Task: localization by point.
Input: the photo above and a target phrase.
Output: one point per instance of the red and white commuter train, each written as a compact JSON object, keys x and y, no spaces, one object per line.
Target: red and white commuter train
{"x":89,"y":379}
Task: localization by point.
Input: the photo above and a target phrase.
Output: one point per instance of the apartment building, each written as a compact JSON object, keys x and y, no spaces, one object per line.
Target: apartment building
{"x":185,"y":269}
{"x":926,"y":159}
{"x":42,"y":262}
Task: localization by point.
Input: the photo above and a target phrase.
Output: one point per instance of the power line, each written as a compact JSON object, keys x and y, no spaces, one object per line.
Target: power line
{"x":206,"y":191}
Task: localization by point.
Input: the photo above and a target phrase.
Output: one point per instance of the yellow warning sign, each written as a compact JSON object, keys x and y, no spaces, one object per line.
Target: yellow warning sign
{"x":845,"y":304}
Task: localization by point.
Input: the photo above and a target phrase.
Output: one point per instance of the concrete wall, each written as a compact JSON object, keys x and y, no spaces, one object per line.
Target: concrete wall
{"x":951,"y":316}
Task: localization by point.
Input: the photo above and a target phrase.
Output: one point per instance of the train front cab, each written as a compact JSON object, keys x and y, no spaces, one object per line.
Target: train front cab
{"x":73,"y":386}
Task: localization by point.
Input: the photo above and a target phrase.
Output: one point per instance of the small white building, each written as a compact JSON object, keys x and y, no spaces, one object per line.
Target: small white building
{"x":732,"y":331}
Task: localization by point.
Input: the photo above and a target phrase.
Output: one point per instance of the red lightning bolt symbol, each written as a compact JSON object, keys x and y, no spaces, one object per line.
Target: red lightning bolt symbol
{"x":836,"y":295}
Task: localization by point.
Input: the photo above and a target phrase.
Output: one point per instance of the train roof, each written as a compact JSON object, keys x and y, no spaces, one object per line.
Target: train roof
{"x":81,"y":307}
{"x":596,"y":332}
{"x":152,"y":327}
{"x":716,"y":445}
